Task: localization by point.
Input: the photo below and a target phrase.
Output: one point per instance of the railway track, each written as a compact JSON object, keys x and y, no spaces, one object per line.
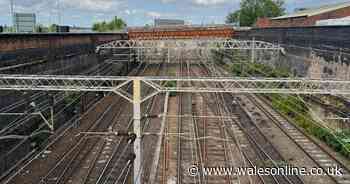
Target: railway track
{"x":109,"y":163}
{"x":59,"y":115}
{"x":215,"y":143}
{"x":225,"y":135}
{"x":186,"y":147}
{"x":215,"y":148}
{"x":206,"y":140}
{"x":266,"y":153}
{"x":107,"y":155}
{"x":75,"y":163}
{"x":319,"y":155}
{"x":122,"y":157}
{"x":61,"y":144}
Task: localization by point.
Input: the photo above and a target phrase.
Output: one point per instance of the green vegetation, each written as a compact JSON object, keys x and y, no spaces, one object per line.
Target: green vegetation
{"x":171,"y":84}
{"x":297,"y":111}
{"x":8,"y":29}
{"x":251,"y":10}
{"x":245,"y":69}
{"x":116,"y":24}
{"x":71,"y":97}
{"x":294,"y":108}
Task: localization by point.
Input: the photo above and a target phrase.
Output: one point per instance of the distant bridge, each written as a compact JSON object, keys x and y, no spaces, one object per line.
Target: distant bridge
{"x":180,"y":32}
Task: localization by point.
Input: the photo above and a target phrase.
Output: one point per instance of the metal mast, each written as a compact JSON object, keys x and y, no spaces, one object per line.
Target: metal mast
{"x":12,"y":13}
{"x":59,"y":16}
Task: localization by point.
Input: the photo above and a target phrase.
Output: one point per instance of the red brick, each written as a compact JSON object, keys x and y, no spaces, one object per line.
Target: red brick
{"x":310,"y":21}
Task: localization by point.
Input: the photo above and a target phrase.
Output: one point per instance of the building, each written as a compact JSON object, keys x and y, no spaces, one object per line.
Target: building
{"x":168,"y":22}
{"x":24,"y":22}
{"x":330,"y":22}
{"x":263,"y":22}
{"x":75,"y":29}
{"x":309,"y":17}
{"x":181,"y":32}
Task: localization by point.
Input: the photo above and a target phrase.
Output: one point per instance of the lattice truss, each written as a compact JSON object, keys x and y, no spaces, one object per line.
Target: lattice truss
{"x":159,"y":84}
{"x":190,"y":44}
{"x":154,"y":51}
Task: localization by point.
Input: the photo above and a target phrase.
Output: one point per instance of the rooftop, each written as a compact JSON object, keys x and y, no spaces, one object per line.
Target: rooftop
{"x":315,"y":11}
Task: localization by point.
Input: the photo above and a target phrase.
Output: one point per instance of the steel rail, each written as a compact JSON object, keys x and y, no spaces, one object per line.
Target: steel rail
{"x":221,"y":129}
{"x":286,"y":126}
{"x":345,"y":169}
{"x":234,"y":121}
{"x":259,"y":147}
{"x":62,"y":175}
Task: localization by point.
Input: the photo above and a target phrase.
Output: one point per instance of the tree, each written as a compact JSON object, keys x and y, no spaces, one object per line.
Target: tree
{"x":115,"y":25}
{"x":52,"y":28}
{"x":233,"y":17}
{"x":9,"y":29}
{"x":39,"y":28}
{"x":300,"y":9}
{"x":251,"y":10}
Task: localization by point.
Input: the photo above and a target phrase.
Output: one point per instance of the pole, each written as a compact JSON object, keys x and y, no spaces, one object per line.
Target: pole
{"x":52,"y":104}
{"x":12,"y":16}
{"x":11,"y":7}
{"x":137,"y":131}
{"x":138,"y":55}
{"x":59,"y":12}
{"x":253,"y":50}
{"x":168,"y":55}
{"x":51,"y":125}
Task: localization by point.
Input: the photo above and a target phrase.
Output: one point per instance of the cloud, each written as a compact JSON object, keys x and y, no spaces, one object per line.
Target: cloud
{"x":168,"y":1}
{"x":29,"y":5}
{"x":84,"y":5}
{"x":209,"y":2}
{"x":130,"y":12}
{"x":153,"y":14}
{"x":93,"y":5}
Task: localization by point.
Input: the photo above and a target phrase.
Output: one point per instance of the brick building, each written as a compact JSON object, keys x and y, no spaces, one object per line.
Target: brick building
{"x":181,"y":32}
{"x":308,"y":17}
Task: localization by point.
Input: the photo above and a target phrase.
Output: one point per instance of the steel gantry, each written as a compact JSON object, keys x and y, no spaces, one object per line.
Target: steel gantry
{"x":231,"y":84}
{"x":159,"y":84}
{"x":205,"y":44}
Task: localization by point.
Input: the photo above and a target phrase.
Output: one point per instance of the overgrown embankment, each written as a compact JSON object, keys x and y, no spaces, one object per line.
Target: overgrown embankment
{"x":293,"y":107}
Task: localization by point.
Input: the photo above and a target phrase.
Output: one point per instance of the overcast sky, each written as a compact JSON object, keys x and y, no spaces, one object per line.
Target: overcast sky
{"x":135,"y":12}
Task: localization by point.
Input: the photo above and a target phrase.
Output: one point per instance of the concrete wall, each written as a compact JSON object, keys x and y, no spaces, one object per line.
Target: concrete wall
{"x":322,"y":37}
{"x":22,"y":48}
{"x":317,"y":52}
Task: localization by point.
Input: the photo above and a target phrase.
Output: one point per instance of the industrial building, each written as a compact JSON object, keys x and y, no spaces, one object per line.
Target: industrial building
{"x":168,"y":22}
{"x":307,"y":17}
{"x":24,"y":22}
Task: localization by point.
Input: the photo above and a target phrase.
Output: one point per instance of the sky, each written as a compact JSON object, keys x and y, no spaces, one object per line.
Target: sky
{"x":84,"y":13}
